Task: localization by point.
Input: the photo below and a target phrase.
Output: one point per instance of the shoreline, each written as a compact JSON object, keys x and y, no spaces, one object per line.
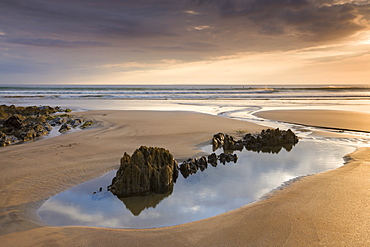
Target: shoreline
{"x":33,"y":172}
{"x":329,"y":119}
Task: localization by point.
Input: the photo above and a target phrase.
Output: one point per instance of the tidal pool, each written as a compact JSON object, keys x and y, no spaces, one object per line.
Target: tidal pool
{"x":211,"y":192}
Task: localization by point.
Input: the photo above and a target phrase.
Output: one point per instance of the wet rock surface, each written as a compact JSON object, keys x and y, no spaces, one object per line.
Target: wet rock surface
{"x":270,"y":140}
{"x":20,"y":124}
{"x":149,"y":169}
{"x":154,"y":170}
{"x":192,"y":166}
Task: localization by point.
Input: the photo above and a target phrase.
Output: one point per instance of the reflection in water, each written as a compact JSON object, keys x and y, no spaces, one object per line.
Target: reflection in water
{"x":205,"y":194}
{"x":268,"y":141}
{"x":136,"y":204}
{"x":273,"y":150}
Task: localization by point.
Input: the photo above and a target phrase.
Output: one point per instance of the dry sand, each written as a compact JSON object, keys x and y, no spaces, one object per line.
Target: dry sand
{"x":327,"y":209}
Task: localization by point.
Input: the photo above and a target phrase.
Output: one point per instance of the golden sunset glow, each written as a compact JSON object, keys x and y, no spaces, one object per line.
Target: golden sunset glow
{"x":185,"y":42}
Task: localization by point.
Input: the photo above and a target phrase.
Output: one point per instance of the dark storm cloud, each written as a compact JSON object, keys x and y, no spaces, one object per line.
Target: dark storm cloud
{"x":307,"y":20}
{"x":111,"y":18}
{"x":147,"y":31}
{"x":167,"y":23}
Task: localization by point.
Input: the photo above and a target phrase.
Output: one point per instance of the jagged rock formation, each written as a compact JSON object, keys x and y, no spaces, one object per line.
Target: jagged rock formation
{"x":14,"y":121}
{"x":155,"y":170}
{"x":191,"y":166}
{"x":27,"y":123}
{"x":149,"y":169}
{"x":270,"y":140}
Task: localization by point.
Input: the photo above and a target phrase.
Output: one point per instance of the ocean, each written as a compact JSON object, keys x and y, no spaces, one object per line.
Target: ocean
{"x":106,"y":96}
{"x":186,"y":92}
{"x":232,"y":101}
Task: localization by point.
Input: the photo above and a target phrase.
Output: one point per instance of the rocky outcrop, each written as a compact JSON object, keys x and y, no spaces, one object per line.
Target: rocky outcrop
{"x":7,"y":111}
{"x":270,"y":140}
{"x":154,"y":170}
{"x":27,"y":123}
{"x":226,"y":142}
{"x":149,"y":169}
{"x":15,"y":121}
{"x":191,"y":166}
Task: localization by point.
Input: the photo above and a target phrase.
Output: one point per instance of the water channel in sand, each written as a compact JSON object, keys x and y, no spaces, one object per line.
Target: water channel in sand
{"x":205,"y":194}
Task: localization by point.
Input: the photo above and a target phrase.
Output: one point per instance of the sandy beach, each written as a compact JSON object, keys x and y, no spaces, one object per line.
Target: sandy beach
{"x":338,"y":120}
{"x":326,"y":209}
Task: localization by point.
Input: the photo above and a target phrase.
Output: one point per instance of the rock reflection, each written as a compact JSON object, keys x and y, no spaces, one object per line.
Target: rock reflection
{"x":272,"y":150}
{"x":268,"y":141}
{"x":137,"y":204}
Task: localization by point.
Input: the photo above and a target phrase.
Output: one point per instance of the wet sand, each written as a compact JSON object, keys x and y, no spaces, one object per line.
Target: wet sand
{"x":338,"y":120}
{"x":327,"y":209}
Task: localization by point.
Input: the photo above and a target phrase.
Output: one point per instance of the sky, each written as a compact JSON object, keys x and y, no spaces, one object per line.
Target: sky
{"x":135,"y":42}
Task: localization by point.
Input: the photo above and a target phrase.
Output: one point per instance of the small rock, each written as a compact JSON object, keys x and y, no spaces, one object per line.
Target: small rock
{"x":87,"y":124}
{"x":64,"y":128}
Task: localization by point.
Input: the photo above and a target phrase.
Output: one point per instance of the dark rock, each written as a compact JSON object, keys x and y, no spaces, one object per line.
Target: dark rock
{"x":40,"y":130}
{"x":270,"y":140}
{"x":57,"y":121}
{"x":185,"y":169}
{"x":218,"y":141}
{"x":6,"y":140}
{"x":212,"y":159}
{"x":3,"y":114}
{"x":193,"y":166}
{"x":14,"y":121}
{"x":47,"y":126}
{"x":64,"y":128}
{"x":25,"y":134}
{"x":76,"y":122}
{"x":149,"y":170}
{"x":26,"y":123}
{"x":86,"y":124}
{"x":202,"y":163}
{"x":222,"y":158}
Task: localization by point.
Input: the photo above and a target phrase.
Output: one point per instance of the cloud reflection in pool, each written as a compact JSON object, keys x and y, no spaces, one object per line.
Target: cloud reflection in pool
{"x":205,"y":194}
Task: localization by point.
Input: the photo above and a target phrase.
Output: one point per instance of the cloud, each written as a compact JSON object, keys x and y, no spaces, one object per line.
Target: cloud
{"x":139,"y":66}
{"x":200,"y":28}
{"x":308,"y":20}
{"x":135,"y":35}
{"x":71,"y":213}
{"x":115,"y":18}
{"x":191,"y":12}
{"x":54,"y":43}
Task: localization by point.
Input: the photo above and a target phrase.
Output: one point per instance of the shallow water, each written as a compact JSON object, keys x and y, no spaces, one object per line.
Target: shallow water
{"x":205,"y":194}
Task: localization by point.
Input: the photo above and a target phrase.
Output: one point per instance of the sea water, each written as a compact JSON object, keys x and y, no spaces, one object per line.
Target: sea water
{"x":232,"y":101}
{"x":226,"y":100}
